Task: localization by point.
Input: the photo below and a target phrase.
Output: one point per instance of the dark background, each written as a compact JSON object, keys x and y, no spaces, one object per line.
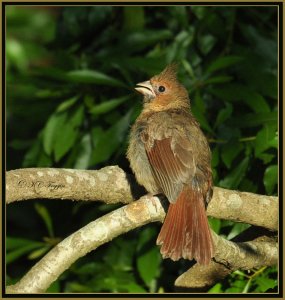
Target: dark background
{"x":70,"y":103}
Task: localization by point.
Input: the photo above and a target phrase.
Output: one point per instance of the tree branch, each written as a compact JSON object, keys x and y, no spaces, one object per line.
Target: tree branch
{"x":254,"y":209}
{"x":230,"y":257}
{"x":112,"y":185}
{"x":63,"y":255}
{"x":147,"y":209}
{"x":109,"y":184}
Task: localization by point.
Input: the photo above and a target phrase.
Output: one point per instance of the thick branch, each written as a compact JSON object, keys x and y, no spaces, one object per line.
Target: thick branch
{"x":61,"y":257}
{"x":254,"y":209}
{"x":147,"y":209}
{"x":111,"y":185}
{"x":230,"y":257}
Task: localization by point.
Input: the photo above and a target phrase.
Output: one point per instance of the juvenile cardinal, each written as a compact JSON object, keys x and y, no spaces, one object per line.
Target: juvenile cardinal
{"x":170,"y":155}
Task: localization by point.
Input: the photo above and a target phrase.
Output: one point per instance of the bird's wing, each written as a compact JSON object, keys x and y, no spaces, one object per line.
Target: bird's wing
{"x":173,"y":163}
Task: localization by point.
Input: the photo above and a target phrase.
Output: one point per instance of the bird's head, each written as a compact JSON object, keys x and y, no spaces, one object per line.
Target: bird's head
{"x":164,"y":91}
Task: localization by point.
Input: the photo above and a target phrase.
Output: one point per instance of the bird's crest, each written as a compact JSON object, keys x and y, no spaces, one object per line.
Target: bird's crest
{"x":169,"y":73}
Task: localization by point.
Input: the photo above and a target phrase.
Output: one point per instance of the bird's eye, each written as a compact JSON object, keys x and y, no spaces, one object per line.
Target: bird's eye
{"x":161,"y":89}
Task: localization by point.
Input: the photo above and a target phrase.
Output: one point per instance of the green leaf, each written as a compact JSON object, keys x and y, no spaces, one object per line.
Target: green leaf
{"x":148,"y":255}
{"x":224,"y":114}
{"x":237,"y":287}
{"x":270,"y":178}
{"x":68,"y":133}
{"x":52,"y":73}
{"x":216,"y":289}
{"x":215,"y":224}
{"x":36,"y":156}
{"x":15,"y":254}
{"x":15,"y":243}
{"x":22,"y":250}
{"x":84,"y":153}
{"x":199,"y":11}
{"x":206,"y":43}
{"x":264,"y":138}
{"x":223,"y":62}
{"x":120,"y":256}
{"x":107,"y":142}
{"x":38,"y":252}
{"x":188,"y":68}
{"x":44,"y":213}
{"x":95,"y":77}
{"x":230,"y":151}
{"x":218,"y":79}
{"x":54,"y":123}
{"x":140,"y":40}
{"x":266,"y":158}
{"x":133,"y":287}
{"x":247,"y":286}
{"x":150,"y":258}
{"x":274,"y":142}
{"x":66,"y":104}
{"x":43,"y":160}
{"x":107,"y":106}
{"x":237,"y":229}
{"x":256,"y":102}
{"x":215,"y":157}
{"x":264,"y":284}
{"x":179,"y":48}
{"x":232,"y":180}
{"x":198,"y":109}
{"x":16,"y":54}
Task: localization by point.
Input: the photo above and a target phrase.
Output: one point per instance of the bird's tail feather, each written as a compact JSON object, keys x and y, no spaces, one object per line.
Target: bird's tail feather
{"x":185,"y":231}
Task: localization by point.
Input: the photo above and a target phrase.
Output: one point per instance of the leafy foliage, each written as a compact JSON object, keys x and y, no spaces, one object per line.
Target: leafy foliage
{"x":70,"y":102}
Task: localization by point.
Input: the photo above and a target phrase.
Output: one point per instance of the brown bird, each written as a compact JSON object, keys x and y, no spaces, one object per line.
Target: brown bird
{"x":169,"y":154}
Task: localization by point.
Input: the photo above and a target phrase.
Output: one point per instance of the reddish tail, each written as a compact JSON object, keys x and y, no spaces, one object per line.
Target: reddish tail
{"x":185,"y":231}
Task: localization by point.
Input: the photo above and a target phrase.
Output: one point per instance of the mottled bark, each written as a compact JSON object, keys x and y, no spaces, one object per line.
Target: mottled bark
{"x":109,"y":184}
{"x":230,"y":257}
{"x":258,"y":210}
{"x":63,"y":255}
{"x":112,"y":185}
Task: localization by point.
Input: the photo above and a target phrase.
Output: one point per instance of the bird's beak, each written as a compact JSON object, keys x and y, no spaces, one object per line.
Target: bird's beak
{"x":146,"y":89}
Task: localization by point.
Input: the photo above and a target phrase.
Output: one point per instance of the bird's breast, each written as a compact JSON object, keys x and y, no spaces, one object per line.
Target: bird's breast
{"x":139,"y":162}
